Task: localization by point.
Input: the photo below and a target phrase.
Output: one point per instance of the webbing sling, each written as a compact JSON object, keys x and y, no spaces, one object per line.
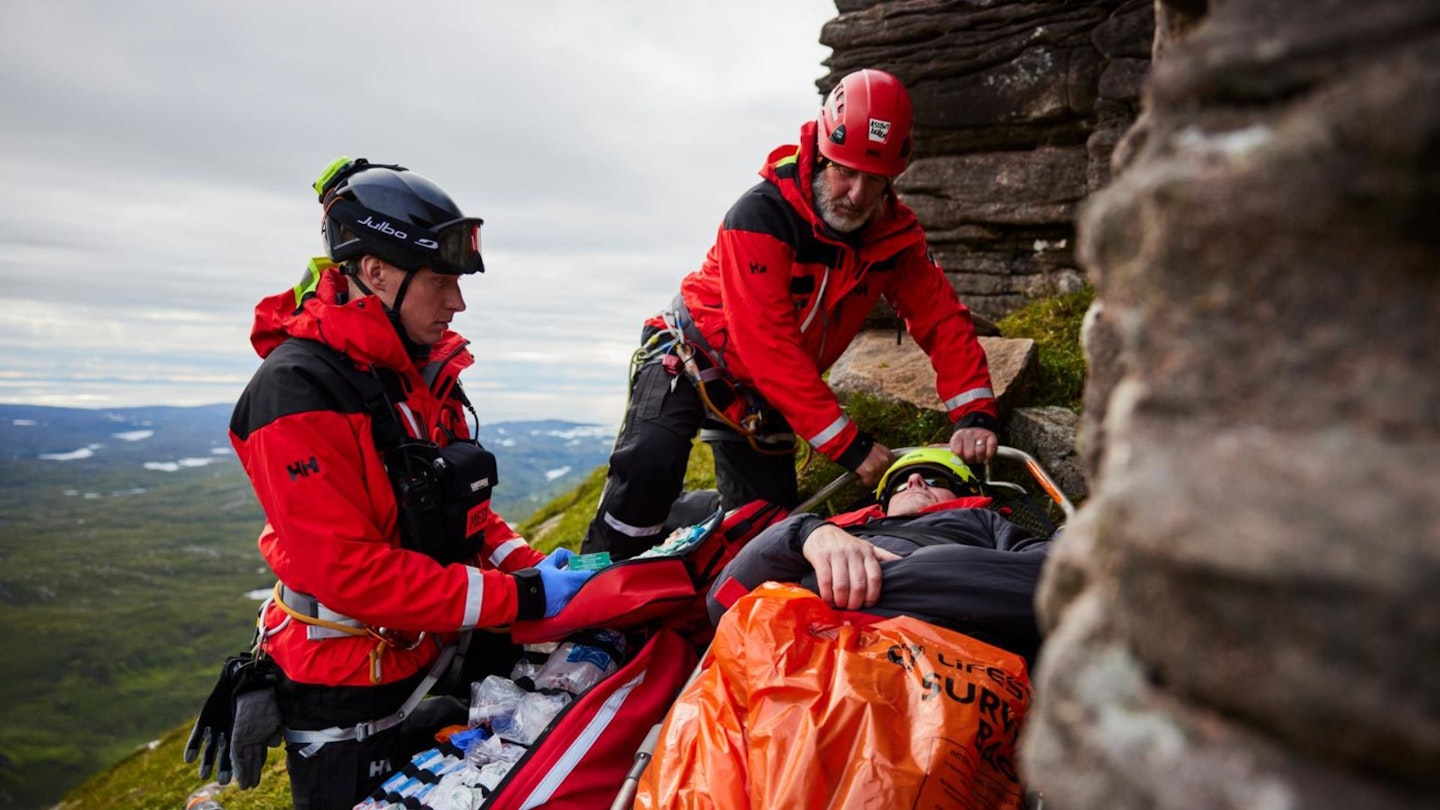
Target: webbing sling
{"x":370,"y":388}
{"x":315,"y":740}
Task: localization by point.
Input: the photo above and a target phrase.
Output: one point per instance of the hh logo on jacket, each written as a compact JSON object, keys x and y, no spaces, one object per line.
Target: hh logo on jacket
{"x":302,"y":469}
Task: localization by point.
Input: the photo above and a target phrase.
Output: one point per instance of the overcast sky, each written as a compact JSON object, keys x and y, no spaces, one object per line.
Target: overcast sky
{"x":157,"y":160}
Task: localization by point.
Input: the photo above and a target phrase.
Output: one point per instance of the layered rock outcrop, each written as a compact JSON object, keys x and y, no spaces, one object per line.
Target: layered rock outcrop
{"x":1017,"y":109}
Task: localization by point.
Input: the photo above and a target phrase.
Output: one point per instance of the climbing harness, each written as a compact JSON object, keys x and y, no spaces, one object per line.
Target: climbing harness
{"x":307,"y":610}
{"x":680,"y":347}
{"x":329,"y":624}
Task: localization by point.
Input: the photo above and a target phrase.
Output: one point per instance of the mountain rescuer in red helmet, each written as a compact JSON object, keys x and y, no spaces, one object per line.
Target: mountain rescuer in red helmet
{"x":354,"y":433}
{"x":798,"y":264}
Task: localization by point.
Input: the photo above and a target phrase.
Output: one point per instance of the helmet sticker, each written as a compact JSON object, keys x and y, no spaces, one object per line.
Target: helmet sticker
{"x":879,"y":130}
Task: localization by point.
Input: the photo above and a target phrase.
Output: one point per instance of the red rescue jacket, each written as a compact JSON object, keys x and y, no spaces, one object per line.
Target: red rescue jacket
{"x":332,"y":530}
{"x":780,"y":296}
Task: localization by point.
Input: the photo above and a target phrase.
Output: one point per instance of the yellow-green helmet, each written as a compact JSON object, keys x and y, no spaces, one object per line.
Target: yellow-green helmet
{"x":946,"y":468}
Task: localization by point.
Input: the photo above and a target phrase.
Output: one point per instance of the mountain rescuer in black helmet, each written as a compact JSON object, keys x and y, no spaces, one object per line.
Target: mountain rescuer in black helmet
{"x":402,"y":219}
{"x":355,"y":437}
{"x":798,"y":264}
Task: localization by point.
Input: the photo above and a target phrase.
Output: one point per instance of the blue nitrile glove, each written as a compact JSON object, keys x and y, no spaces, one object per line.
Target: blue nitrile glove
{"x":560,"y":583}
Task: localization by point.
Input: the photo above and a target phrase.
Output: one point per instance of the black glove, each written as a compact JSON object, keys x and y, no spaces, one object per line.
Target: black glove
{"x":210,"y":738}
{"x":255,"y":724}
{"x":257,"y":729}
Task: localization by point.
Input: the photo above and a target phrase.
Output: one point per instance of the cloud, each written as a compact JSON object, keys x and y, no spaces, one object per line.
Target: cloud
{"x":158,"y":157}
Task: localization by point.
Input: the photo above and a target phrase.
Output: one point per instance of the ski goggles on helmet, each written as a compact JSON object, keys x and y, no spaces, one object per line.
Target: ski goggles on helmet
{"x":450,"y":248}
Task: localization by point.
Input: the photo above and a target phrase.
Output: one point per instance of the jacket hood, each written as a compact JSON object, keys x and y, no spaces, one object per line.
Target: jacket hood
{"x":791,"y":168}
{"x":358,"y":327}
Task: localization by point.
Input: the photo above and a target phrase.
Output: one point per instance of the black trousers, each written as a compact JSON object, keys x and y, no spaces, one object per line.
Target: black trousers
{"x":647,"y":466}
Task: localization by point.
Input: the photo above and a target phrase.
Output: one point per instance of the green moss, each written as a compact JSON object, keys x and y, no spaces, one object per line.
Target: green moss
{"x":1054,"y":325}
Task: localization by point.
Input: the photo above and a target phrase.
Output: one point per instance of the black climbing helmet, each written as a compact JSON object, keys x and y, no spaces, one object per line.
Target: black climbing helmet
{"x":396,"y":215}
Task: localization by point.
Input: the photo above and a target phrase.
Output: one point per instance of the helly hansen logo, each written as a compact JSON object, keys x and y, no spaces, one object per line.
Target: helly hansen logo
{"x":379,"y":768}
{"x":758,"y":269}
{"x":302,"y":469}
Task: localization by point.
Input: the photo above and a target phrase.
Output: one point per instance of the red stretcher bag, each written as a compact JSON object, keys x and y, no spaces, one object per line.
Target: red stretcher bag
{"x":667,"y":587}
{"x":581,"y":758}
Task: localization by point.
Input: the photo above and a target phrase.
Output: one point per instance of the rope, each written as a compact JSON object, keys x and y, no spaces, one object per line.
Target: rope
{"x":381,"y":643}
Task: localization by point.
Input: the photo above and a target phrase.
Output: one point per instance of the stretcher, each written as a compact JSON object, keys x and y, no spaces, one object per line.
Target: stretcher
{"x":1011,"y":499}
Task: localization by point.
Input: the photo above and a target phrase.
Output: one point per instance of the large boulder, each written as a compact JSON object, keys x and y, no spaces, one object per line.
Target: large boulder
{"x":881,"y":363}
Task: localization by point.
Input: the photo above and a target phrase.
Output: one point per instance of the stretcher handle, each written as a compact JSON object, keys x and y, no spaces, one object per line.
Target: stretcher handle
{"x":631,"y":785}
{"x":1039,"y":474}
{"x":825,"y":492}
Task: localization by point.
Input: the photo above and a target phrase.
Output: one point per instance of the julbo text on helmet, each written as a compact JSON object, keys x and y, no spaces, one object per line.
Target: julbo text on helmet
{"x":865,"y":123}
{"x":396,"y":215}
{"x":937,"y":465}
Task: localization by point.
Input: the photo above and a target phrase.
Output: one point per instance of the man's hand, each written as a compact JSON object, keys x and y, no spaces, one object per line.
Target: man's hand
{"x":975,"y":446}
{"x":875,"y":465}
{"x":847,"y":569}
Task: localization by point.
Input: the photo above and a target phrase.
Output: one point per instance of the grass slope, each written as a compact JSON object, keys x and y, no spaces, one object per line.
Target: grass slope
{"x":104,"y":646}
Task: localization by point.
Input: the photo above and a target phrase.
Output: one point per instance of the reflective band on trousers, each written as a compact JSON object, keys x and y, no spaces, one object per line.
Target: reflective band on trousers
{"x":830,"y":432}
{"x":631,"y":531}
{"x":968,"y":397}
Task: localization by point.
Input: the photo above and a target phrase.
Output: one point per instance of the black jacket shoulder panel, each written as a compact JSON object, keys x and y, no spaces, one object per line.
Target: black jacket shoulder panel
{"x":764,"y":210}
{"x":294,"y":378}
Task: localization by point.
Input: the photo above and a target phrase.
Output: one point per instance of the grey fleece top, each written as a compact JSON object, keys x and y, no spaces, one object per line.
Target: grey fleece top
{"x":980,"y":581}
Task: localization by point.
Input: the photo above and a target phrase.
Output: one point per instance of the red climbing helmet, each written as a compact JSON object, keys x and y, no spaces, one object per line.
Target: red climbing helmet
{"x":865,"y":123}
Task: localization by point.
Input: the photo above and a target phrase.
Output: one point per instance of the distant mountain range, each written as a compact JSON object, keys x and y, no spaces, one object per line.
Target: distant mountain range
{"x":537,"y":459}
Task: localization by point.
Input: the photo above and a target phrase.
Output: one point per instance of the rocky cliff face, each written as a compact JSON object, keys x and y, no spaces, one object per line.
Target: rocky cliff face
{"x":1018,"y":107}
{"x":1243,"y":615}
